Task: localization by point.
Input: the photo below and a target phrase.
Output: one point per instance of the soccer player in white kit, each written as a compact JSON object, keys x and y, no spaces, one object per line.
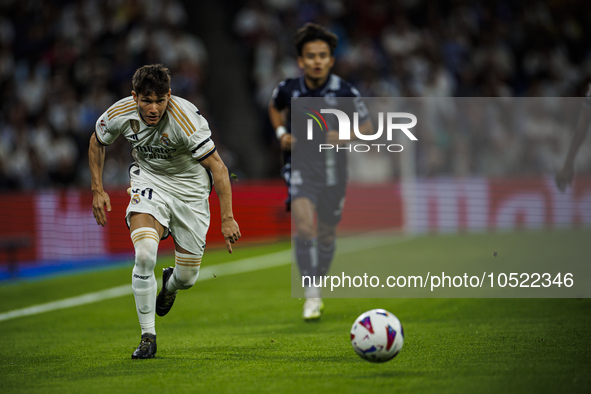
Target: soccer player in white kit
{"x":175,"y":167}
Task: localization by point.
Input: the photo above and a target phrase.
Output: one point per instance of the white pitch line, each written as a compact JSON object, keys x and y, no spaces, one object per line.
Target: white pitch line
{"x":246,"y":265}
{"x":207,"y":273}
{"x":237,"y":267}
{"x":68,"y":302}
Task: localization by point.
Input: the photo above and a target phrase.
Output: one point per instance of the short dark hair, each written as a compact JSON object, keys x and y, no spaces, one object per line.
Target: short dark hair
{"x":313,"y":32}
{"x":152,"y":78}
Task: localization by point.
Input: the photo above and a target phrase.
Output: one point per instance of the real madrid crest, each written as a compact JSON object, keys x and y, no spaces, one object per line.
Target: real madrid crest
{"x":164,"y":140}
{"x":135,"y":125}
{"x":135,"y":199}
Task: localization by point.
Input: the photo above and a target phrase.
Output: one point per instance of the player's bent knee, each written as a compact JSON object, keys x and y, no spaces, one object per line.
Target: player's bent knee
{"x":145,"y":259}
{"x":305,"y":232}
{"x":185,"y":279}
{"x":326,"y":234}
{"x":145,"y":242}
{"x":326,"y":239}
{"x":186,"y":269}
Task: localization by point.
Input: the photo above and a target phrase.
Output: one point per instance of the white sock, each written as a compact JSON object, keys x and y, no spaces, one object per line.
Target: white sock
{"x":186,"y":272}
{"x":145,"y":241}
{"x":312,"y":292}
{"x":145,"y":304}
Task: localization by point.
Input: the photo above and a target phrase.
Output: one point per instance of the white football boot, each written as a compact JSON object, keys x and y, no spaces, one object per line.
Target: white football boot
{"x":313,"y":308}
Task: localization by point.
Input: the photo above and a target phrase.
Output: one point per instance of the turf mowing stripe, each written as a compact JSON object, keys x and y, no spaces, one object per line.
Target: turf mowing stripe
{"x":206,"y":273}
{"x":237,"y":267}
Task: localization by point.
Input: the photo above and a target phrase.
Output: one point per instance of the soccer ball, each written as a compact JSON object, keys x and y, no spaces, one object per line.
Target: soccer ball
{"x":377,"y":336}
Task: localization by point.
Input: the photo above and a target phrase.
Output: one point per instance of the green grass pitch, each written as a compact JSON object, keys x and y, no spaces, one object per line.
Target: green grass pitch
{"x":243,"y":333}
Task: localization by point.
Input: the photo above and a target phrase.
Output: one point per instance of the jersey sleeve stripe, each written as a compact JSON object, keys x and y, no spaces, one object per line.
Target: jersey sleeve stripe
{"x":206,"y":154}
{"x":200,"y":145}
{"x":116,"y":107}
{"x":121,"y":106}
{"x":178,"y":108}
{"x":180,"y":119}
{"x":125,"y":108}
{"x":122,"y":111}
{"x":129,"y":111}
{"x":179,"y":122}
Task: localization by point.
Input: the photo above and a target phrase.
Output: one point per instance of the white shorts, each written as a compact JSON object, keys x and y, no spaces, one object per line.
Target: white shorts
{"x":187,"y":222}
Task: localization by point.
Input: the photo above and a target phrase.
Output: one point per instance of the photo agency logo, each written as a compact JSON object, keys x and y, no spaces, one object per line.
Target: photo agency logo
{"x":345,"y":128}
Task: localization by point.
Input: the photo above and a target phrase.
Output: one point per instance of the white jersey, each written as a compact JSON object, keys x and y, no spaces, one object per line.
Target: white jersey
{"x":168,"y":153}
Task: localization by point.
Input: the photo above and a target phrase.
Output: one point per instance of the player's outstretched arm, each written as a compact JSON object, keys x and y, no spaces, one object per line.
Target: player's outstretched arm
{"x":277,"y":121}
{"x":223,"y":188}
{"x":565,"y":176}
{"x":96,"y":161}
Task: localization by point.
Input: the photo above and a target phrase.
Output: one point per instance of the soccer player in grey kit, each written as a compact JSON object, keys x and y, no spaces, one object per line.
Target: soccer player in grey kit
{"x":310,"y":194}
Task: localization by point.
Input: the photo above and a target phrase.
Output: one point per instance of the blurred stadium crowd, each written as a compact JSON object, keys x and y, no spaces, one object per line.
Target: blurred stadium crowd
{"x":462,"y":48}
{"x":62,"y":63}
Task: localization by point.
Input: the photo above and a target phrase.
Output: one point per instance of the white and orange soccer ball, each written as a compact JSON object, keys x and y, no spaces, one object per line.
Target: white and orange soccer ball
{"x":377,"y":336}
